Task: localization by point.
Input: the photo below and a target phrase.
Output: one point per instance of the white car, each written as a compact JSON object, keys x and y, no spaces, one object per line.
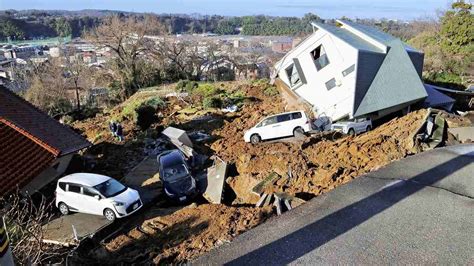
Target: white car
{"x":353,"y":127}
{"x":281,"y":125}
{"x":96,"y":194}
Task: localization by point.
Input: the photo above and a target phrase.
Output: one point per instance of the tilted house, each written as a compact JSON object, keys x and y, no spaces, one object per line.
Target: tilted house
{"x":34,"y":148}
{"x":351,"y":70}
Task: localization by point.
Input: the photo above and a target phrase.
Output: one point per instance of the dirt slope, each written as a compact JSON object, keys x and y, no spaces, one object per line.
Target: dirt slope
{"x":185,"y":234}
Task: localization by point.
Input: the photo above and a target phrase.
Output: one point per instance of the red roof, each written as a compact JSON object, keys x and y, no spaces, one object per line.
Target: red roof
{"x":21,"y":159}
{"x":30,"y":141}
{"x":38,"y":126}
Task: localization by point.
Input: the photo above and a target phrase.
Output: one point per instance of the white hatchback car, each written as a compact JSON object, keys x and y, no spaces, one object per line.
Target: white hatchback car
{"x":96,"y":194}
{"x":277,"y":126}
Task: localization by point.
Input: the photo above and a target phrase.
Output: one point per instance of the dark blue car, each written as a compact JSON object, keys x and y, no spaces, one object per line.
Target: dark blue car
{"x":178,"y":183}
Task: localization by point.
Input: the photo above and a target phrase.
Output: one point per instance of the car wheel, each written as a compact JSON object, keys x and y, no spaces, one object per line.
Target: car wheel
{"x":63,"y":208}
{"x":254,"y":139}
{"x":369,"y":128}
{"x":298,"y":132}
{"x":109,"y":215}
{"x":351,"y":132}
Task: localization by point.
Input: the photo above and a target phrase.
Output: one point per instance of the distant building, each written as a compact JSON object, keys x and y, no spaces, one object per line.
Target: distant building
{"x":281,"y":47}
{"x":35,"y":149}
{"x":54,"y":52}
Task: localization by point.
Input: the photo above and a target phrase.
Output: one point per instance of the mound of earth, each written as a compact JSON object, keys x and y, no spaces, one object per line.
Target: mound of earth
{"x":184,"y":234}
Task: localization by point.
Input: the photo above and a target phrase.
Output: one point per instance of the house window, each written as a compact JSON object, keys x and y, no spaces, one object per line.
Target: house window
{"x":320,"y":57}
{"x":293,"y":75}
{"x":348,"y":70}
{"x":331,"y":83}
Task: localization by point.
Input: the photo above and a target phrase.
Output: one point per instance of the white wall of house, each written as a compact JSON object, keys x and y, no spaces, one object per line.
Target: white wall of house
{"x":338,"y":101}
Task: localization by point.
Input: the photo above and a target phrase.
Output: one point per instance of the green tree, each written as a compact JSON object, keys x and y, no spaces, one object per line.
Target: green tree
{"x":457,"y":27}
{"x":62,"y":27}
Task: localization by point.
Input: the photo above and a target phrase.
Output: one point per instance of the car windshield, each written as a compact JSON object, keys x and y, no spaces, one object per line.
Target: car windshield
{"x":174,"y":172}
{"x":110,"y":188}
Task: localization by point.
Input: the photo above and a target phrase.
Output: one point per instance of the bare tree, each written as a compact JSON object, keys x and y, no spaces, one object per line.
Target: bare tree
{"x":127,"y":39}
{"x":76,"y":73}
{"x":24,"y":219}
{"x":48,"y":87}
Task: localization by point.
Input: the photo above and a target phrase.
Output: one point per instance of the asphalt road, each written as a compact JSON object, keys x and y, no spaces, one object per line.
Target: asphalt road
{"x":419,"y":210}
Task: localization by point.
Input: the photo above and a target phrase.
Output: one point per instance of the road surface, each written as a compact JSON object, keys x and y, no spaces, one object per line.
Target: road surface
{"x":419,"y":210}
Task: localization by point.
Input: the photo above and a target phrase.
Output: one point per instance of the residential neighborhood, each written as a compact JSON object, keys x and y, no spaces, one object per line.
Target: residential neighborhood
{"x":184,"y":137}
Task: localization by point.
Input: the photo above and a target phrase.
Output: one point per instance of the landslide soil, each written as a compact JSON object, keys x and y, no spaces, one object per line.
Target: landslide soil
{"x":184,"y":234}
{"x":311,"y":166}
{"x":307,"y":167}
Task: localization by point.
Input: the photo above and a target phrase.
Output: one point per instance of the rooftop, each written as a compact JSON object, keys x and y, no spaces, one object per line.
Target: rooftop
{"x":38,"y":126}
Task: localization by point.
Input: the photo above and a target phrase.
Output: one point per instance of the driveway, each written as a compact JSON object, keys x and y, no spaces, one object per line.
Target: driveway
{"x":419,"y":210}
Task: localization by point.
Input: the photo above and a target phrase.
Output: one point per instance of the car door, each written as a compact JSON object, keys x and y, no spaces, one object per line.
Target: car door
{"x":92,"y":201}
{"x":285,"y":125}
{"x":73,"y":197}
{"x":298,"y":120}
{"x":268,"y":128}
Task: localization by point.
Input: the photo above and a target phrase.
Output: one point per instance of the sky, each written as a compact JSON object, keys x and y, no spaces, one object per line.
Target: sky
{"x":392,"y":9}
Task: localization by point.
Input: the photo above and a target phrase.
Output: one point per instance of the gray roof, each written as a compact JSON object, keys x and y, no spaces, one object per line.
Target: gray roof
{"x":376,"y":34}
{"x":395,"y":83}
{"x":436,"y":98}
{"x":349,"y":37}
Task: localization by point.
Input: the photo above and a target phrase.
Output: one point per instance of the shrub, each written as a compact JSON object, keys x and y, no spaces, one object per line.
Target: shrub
{"x":271,"y":91}
{"x":181,"y":85}
{"x":206,"y":90}
{"x":190,"y":86}
{"x":142,"y":112}
{"x":212,"y":102}
{"x":236,"y":98}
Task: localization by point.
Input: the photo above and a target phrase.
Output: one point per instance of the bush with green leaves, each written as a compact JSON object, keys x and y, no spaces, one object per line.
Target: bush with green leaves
{"x":271,"y":91}
{"x":142,"y":112}
{"x":206,"y":90}
{"x":212,"y":102}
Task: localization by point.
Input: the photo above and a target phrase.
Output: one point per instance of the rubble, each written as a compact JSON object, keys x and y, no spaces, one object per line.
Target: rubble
{"x":216,"y":175}
{"x":288,"y":173}
{"x":183,"y":234}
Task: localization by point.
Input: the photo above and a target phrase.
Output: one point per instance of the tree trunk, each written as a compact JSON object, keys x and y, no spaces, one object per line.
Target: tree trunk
{"x":77,"y":97}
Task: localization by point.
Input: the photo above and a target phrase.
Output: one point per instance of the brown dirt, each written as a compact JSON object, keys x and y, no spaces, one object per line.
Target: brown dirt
{"x":184,"y":234}
{"x":316,"y":165}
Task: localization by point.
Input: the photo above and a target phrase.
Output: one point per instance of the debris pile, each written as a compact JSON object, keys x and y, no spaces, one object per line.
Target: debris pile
{"x":310,"y":167}
{"x":272,"y":176}
{"x":184,"y":234}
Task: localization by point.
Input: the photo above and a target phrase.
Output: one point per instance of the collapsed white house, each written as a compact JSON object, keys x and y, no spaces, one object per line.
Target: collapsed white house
{"x":350,"y":70}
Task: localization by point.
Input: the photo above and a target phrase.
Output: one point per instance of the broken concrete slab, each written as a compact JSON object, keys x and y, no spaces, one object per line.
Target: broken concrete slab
{"x":146,"y":179}
{"x":216,"y":175}
{"x":463,"y":134}
{"x":70,"y":229}
{"x":268,"y":200}
{"x":177,"y":135}
{"x":277,"y":204}
{"x":261,"y":200}
{"x":268,"y":181}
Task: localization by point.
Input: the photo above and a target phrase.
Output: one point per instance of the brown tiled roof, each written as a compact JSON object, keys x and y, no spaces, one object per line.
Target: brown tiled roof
{"x":38,"y":126}
{"x":21,"y":159}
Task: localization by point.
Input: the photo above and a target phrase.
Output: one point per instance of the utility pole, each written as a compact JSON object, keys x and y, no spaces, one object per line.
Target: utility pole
{"x":6,"y":258}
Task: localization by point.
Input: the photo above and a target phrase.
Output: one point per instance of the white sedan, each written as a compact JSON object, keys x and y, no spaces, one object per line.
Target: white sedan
{"x":96,"y":194}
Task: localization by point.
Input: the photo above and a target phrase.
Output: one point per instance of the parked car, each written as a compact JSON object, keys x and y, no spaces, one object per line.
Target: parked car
{"x":281,"y":125}
{"x":178,"y":183}
{"x":96,"y":194}
{"x":353,"y":127}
